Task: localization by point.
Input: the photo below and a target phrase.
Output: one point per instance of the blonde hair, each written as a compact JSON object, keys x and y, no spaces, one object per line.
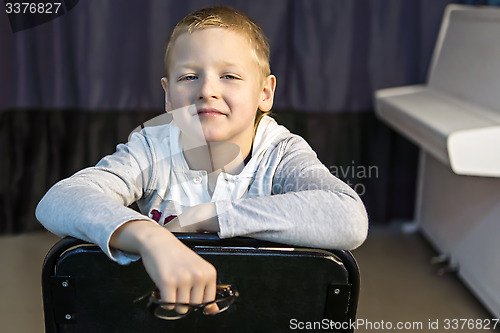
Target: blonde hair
{"x":227,"y":18}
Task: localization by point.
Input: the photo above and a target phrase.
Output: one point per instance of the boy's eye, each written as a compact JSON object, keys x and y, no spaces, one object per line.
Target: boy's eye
{"x":229,"y":77}
{"x":189,"y":77}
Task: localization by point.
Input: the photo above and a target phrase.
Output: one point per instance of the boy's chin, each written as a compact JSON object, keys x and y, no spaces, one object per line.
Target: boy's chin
{"x":216,"y":138}
{"x":213,"y":134}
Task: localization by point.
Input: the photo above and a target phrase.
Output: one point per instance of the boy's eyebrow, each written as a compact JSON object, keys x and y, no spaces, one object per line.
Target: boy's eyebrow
{"x":222,"y":63}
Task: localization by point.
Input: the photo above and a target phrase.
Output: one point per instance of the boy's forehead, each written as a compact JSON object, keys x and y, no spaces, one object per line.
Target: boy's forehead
{"x":218,"y":40}
{"x":205,"y":35}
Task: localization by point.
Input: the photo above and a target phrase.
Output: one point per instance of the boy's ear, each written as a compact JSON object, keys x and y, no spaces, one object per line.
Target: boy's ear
{"x":267,"y":99}
{"x":164,"y":84}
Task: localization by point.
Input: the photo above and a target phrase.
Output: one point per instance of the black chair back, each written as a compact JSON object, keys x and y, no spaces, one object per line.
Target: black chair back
{"x":281,"y":288}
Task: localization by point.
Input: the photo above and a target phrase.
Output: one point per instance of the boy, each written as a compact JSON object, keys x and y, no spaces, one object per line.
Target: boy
{"x":218,"y":88}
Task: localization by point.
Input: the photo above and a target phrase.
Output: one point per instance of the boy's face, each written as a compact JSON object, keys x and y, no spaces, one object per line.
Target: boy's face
{"x":216,"y":70}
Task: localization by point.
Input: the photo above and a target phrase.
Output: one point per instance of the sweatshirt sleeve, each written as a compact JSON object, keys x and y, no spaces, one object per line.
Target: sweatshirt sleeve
{"x":308,"y":207}
{"x":92,"y":204}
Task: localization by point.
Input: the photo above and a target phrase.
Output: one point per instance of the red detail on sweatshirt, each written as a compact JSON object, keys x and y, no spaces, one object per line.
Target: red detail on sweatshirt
{"x":156,"y":215}
{"x":169,"y":218}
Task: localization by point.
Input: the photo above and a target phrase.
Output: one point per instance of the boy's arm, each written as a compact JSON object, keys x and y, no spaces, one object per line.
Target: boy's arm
{"x":309,"y":206}
{"x":179,"y":273}
{"x":199,"y":218}
{"x":91,"y":204}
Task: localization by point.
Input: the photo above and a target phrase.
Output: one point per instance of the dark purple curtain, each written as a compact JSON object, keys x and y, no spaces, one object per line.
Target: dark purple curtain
{"x":74,"y":87}
{"x":328,"y":55}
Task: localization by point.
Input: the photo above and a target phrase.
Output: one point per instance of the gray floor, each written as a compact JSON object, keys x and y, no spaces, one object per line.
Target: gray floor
{"x":398,"y":284}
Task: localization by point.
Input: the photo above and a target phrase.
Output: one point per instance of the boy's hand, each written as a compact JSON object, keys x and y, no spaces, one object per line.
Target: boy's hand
{"x":200,"y":218}
{"x":180,"y":274}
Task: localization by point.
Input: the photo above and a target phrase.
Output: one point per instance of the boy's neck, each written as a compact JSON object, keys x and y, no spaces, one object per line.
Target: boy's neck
{"x":214,"y":156}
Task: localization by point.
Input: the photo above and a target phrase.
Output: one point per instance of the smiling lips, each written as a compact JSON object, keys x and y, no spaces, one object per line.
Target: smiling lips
{"x":210,"y":113}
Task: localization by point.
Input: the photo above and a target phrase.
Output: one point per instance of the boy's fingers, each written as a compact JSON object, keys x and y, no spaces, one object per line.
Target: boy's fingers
{"x":211,"y":308}
{"x":183,"y":296}
{"x":197,"y":294}
{"x":210,"y":291}
{"x":168,"y":294}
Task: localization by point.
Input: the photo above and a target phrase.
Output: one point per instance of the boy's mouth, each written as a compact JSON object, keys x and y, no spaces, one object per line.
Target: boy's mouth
{"x":208,"y":112}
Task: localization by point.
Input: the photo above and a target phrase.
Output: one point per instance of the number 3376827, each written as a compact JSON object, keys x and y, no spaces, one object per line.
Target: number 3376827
{"x":32,"y":7}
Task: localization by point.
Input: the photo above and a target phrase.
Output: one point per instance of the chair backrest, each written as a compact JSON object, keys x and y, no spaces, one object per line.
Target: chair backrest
{"x":280,"y":287}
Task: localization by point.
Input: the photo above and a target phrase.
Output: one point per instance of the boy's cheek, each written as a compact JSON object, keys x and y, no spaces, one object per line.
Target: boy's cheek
{"x":179,"y":100}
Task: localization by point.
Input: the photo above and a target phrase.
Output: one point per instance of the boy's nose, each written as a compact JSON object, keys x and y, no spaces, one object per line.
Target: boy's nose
{"x":209,"y":89}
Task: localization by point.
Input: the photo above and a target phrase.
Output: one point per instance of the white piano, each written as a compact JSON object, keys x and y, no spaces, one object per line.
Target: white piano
{"x":455,"y":119}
